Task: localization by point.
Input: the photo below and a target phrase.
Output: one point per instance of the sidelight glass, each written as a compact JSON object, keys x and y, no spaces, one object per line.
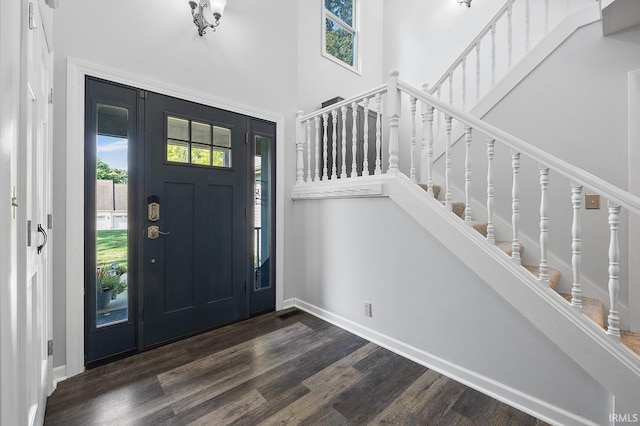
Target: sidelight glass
{"x":112,"y":195}
{"x":263,"y":190}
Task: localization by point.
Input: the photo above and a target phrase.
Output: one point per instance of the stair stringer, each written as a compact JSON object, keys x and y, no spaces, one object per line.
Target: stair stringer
{"x":610,"y":363}
{"x":519,"y":72}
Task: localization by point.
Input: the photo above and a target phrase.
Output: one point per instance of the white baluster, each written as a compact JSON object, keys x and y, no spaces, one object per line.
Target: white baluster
{"x":493,"y":55}
{"x":394,"y":111}
{"x":412,"y":170}
{"x":438,"y":116}
{"x":430,"y":151}
{"x":299,"y":149}
{"x":343,"y":170}
{"x":510,"y":35}
{"x":527,"y":26}
{"x":334,"y":145}
{"x":515,"y":206}
{"x":464,"y":83}
{"x":467,"y":175}
{"x":317,"y":150}
{"x":544,"y":226}
{"x":477,"y":72}
{"x":308,"y":122}
{"x":365,"y":137}
{"x":447,"y":165}
{"x":325,"y":140}
{"x":490,"y":228}
{"x":614,"y":272}
{"x":378,"y":134}
{"x":451,"y":88}
{"x":354,"y":140}
{"x":546,"y":17}
{"x":576,"y":246}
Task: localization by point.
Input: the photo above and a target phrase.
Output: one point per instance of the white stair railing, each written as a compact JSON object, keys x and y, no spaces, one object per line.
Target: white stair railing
{"x":393,"y":92}
{"x":517,"y":27}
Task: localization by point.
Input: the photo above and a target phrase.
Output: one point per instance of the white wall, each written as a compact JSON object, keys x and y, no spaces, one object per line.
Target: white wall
{"x":422,"y":295}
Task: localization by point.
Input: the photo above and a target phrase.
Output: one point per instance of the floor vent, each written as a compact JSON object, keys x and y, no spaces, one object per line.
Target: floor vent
{"x":288,"y":313}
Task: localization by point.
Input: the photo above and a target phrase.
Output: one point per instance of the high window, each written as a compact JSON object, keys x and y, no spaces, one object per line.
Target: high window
{"x":340,"y":36}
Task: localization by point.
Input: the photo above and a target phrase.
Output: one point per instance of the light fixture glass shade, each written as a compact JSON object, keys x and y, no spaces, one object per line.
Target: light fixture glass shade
{"x":217,"y":7}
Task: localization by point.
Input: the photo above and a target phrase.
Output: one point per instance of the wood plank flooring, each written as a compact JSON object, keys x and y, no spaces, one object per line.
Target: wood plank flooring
{"x":271,"y":371}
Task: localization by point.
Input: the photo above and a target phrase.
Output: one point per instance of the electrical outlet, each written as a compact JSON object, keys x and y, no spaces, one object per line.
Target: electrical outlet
{"x":367,"y":309}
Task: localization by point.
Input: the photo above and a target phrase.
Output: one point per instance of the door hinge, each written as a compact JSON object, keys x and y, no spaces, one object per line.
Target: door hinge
{"x":49,"y":347}
{"x":51,"y":95}
{"x":28,"y":233}
{"x":49,"y":221}
{"x":246,"y":138}
{"x":32,"y":20}
{"x":143,"y":94}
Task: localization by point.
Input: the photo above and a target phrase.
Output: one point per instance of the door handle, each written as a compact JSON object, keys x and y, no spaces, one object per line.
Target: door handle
{"x":44,"y":234}
{"x":154,"y":232}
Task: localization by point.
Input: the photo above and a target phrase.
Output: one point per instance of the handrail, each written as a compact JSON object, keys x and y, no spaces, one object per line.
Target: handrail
{"x":471,"y":46}
{"x":573,"y":173}
{"x":347,"y":102}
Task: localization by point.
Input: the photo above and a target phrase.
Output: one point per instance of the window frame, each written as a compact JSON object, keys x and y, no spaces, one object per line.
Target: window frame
{"x":353,"y":29}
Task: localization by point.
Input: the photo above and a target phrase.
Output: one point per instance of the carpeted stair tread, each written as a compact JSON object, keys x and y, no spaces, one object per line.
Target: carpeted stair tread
{"x":479,"y":226}
{"x":593,"y":308}
{"x":457,"y":207}
{"x":506,"y":246}
{"x":554,"y":274}
{"x":436,"y":189}
{"x":631,"y":340}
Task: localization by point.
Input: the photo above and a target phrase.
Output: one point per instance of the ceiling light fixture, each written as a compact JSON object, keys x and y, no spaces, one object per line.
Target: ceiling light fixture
{"x":213,"y":8}
{"x":464,"y":3}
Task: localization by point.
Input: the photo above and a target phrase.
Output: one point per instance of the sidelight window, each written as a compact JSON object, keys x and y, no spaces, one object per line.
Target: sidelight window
{"x":198,"y":143}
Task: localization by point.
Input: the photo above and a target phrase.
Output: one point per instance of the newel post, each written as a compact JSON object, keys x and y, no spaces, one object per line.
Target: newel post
{"x":299,"y":150}
{"x":394,"y":118}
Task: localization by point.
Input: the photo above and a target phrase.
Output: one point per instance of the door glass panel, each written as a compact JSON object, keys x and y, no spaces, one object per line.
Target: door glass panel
{"x":178,"y":152}
{"x":112,"y":211}
{"x":201,"y":132}
{"x":221,"y":157}
{"x":201,"y":154}
{"x":221,"y":136}
{"x":177,"y":128}
{"x":263,"y":187}
{"x":194,"y":142}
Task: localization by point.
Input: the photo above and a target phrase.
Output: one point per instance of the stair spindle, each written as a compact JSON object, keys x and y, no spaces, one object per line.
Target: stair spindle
{"x":544,"y":226}
{"x":490,"y":227}
{"x":478,"y":72}
{"x":451,"y":88}
{"x":343,"y":170}
{"x":467,"y":175}
{"x":365,"y":138}
{"x":515,"y":206}
{"x":317,"y":150}
{"x":438,"y":115}
{"x":493,"y":55}
{"x":412,"y":170}
{"x":447,"y":196}
{"x":334,"y":145}
{"x":308,"y":124}
{"x":394,"y":110}
{"x":464,"y":83}
{"x":299,"y":150}
{"x":354,"y":140}
{"x":576,"y":247}
{"x":325,"y":140}
{"x":614,"y":272}
{"x":510,"y":36}
{"x":378,"y":134}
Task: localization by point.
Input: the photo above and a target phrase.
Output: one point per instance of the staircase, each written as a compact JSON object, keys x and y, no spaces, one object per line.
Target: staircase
{"x":393,"y":136}
{"x":593,"y":309}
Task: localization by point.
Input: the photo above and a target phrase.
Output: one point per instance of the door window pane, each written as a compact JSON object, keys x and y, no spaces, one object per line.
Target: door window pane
{"x":198,"y":143}
{"x":112,"y":211}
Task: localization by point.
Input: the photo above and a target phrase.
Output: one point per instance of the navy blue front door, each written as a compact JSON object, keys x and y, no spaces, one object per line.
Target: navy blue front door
{"x":195,"y":265}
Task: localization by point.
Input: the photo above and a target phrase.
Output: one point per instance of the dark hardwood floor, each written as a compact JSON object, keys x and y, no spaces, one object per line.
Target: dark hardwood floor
{"x":298,"y":370}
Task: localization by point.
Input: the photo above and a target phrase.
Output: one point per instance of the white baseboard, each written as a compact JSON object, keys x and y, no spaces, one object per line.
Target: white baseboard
{"x":519,"y":400}
{"x":59,"y":375}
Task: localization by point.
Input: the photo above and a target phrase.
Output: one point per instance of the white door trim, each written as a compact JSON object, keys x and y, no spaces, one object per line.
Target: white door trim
{"x":77,"y":70}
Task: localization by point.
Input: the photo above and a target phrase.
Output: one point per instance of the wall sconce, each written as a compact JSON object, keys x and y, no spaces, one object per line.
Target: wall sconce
{"x":465,"y":3}
{"x":216,"y":7}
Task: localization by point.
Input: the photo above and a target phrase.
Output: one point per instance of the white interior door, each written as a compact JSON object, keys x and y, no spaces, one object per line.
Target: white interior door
{"x":34,"y":177}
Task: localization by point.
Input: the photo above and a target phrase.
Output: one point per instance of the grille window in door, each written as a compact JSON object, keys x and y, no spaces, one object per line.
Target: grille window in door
{"x":198,"y":143}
